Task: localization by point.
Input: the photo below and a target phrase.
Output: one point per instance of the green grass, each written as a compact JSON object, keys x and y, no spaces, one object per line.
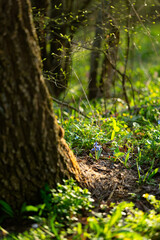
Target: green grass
{"x":133,"y":131}
{"x":135,"y":137}
{"x":66,"y":217}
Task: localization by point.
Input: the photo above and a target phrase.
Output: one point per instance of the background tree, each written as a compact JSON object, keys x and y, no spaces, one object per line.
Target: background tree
{"x":95,"y":56}
{"x":104,"y":53}
{"x":32,"y":149}
{"x":70,"y":27}
{"x":41,"y":14}
{"x":57,"y":22}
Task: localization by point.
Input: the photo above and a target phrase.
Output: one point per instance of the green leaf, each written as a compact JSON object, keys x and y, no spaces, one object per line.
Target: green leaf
{"x":116,"y":129}
{"x":6,"y":208}
{"x":152,"y":174}
{"x":114,"y":123}
{"x":117,"y":150}
{"x":98,"y":154}
{"x":113,"y":135}
{"x":30,"y":208}
{"x":127,"y":156}
{"x":119,"y":154}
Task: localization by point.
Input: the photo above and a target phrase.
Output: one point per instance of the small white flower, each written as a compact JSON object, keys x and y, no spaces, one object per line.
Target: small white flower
{"x":34,"y":225}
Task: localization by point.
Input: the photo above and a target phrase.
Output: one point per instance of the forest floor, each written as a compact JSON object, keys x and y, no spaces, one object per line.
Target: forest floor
{"x":119,"y":160}
{"x":110,"y":181}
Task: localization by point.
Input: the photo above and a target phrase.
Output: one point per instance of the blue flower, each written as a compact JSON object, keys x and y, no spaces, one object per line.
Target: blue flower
{"x":96,"y":147}
{"x":76,"y":137}
{"x":158,"y":121}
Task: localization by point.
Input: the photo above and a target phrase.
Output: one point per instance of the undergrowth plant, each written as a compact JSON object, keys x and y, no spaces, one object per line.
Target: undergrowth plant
{"x":143,"y":177}
{"x":125,"y":130}
{"x":123,"y":221}
{"x":67,"y":212}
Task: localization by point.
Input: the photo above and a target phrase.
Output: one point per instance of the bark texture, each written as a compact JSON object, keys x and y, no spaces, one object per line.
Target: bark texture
{"x":32,"y":149}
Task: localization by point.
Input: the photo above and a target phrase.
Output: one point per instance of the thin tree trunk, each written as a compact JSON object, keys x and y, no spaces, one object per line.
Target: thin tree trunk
{"x":108,"y":73}
{"x":32,"y":149}
{"x":40,"y":10}
{"x":95,"y":58}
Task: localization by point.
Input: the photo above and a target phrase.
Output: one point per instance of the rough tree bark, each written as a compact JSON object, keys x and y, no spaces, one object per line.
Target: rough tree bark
{"x":32,"y":149}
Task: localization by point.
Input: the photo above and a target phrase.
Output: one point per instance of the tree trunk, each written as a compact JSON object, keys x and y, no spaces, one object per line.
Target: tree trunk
{"x":32,"y":149}
{"x":64,"y":22}
{"x":40,"y":12}
{"x":110,"y":57}
{"x":95,"y":58}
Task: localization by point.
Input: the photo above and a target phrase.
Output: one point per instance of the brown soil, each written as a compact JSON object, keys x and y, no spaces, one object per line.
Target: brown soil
{"x":110,"y":181}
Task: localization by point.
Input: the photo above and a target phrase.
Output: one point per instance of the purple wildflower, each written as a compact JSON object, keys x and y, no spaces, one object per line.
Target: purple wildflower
{"x":96,"y":147}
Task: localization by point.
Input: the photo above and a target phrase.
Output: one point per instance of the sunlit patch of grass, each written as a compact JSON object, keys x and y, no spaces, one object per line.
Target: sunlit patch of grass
{"x":127,"y":133}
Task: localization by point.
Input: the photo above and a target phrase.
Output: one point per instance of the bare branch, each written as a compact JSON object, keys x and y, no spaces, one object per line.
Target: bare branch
{"x":69,"y":106}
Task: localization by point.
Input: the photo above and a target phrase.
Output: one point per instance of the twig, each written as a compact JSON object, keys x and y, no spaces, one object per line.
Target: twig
{"x":102,"y":51}
{"x":68,"y":106}
{"x":136,"y":109}
{"x":84,"y":92}
{"x":141,"y":22}
{"x":111,"y":194}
